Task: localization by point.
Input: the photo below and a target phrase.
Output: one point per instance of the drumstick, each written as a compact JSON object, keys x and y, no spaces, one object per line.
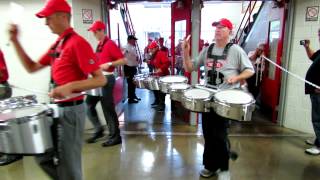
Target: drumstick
{"x":73,"y":95}
{"x":16,"y":12}
{"x":188,"y":37}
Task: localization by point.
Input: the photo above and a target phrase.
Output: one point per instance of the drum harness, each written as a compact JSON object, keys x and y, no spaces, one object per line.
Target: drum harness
{"x":100,"y":46}
{"x":56,"y":129}
{"x":214,"y":76}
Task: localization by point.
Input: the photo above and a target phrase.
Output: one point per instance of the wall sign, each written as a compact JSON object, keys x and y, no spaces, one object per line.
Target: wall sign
{"x":87,"y":16}
{"x":312,"y":13}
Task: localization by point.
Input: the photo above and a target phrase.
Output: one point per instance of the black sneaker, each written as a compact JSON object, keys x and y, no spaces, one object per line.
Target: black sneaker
{"x":95,"y":136}
{"x":130,"y":101}
{"x":233,"y":155}
{"x":160,"y":108}
{"x":154,"y":104}
{"x":112,"y":142}
{"x":8,"y":159}
{"x":137,"y":98}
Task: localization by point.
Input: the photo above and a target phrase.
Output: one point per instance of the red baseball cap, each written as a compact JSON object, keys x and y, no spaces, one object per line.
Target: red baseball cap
{"x":153,"y":44}
{"x":53,"y":6}
{"x":97,"y":25}
{"x":223,"y":22}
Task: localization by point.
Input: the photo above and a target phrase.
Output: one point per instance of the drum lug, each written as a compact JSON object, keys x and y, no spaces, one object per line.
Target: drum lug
{"x":53,"y":110}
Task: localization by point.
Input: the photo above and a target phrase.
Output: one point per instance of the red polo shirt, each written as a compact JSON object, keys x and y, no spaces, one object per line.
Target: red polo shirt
{"x":75,"y":61}
{"x":109,"y":52}
{"x":161,"y":61}
{"x":3,"y":69}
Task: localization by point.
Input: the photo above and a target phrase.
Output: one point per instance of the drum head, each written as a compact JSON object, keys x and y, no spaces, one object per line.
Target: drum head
{"x":22,"y":112}
{"x":233,"y":96}
{"x":197,"y":94}
{"x":173,"y":79}
{"x":179,"y":86}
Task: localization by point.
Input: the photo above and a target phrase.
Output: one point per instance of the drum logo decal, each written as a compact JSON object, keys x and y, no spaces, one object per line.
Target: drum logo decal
{"x":219,"y":64}
{"x":209,"y":63}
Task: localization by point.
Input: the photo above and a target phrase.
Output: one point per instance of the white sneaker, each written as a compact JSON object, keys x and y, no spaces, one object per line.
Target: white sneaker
{"x":206,"y":173}
{"x":224,"y":175}
{"x":313,"y":151}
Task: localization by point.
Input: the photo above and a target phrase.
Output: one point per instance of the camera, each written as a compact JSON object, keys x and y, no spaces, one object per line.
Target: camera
{"x":303,"y":42}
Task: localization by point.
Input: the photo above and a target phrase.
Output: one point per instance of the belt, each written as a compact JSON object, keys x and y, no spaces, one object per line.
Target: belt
{"x":107,"y":73}
{"x":69,"y":103}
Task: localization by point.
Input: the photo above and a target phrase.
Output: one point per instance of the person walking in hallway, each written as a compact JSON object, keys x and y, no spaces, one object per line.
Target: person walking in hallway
{"x":109,"y":56}
{"x":226,"y":65}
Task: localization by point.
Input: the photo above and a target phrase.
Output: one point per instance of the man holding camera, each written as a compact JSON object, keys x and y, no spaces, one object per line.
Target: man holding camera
{"x":313,"y":76}
{"x":257,"y":61}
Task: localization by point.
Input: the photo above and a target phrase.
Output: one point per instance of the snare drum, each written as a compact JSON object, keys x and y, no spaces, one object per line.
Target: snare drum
{"x":138,"y":80}
{"x":26,"y":130}
{"x":176,"y":90}
{"x":151,"y":83}
{"x":234,"y":104}
{"x":197,"y":100}
{"x":166,"y":81}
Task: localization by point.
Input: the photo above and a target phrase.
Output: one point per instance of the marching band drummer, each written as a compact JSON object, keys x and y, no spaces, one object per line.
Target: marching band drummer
{"x":226,"y":64}
{"x":110,"y":56}
{"x":161,"y":65}
{"x":72,"y":59}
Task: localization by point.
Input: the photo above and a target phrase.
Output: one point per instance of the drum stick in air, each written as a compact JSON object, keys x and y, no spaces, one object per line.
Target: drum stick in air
{"x":16,"y":12}
{"x":188,"y":38}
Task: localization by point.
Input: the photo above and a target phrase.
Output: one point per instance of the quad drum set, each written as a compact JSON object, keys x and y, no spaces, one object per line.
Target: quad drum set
{"x":234,"y":104}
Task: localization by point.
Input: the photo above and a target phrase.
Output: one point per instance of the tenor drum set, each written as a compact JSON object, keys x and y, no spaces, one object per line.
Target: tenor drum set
{"x":25,"y":126}
{"x":234,"y":104}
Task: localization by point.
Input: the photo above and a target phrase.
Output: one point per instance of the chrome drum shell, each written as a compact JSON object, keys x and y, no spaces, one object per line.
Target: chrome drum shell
{"x":240,"y":111}
{"x":26,"y":130}
{"x":197,"y":100}
{"x":138,"y":81}
{"x":166,"y":81}
{"x":151,"y":83}
{"x":176,"y":90}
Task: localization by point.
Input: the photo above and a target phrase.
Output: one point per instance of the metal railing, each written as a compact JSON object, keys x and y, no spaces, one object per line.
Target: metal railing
{"x":246,"y":23}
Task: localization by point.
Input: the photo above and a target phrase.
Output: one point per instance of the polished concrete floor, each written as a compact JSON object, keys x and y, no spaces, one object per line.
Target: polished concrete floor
{"x":160,"y":146}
